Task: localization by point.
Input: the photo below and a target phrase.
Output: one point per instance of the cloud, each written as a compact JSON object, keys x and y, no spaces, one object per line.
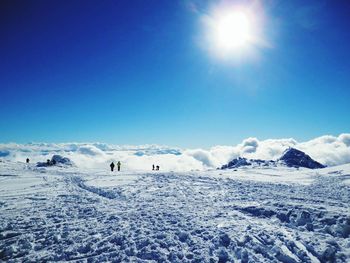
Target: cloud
{"x":205,"y":157}
{"x":90,"y":150}
{"x":327,"y":149}
{"x":345,"y":138}
{"x":250,"y":145}
{"x":271,"y":148}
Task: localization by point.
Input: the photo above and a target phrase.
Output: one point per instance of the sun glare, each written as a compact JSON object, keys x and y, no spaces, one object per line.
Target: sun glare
{"x":232,"y":31}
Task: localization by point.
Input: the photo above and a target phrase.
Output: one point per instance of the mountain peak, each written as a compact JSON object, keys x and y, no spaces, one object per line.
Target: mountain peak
{"x":291,"y":157}
{"x":295,"y":158}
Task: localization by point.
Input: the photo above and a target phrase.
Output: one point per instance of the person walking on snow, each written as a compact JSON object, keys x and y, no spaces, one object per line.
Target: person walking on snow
{"x":112,"y":166}
{"x":119,"y":164}
{"x":153,"y":167}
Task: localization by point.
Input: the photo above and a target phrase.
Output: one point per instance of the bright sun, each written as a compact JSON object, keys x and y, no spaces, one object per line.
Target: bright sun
{"x":232,"y":31}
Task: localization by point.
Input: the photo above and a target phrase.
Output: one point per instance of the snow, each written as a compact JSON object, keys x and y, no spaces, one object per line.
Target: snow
{"x":277,"y":214}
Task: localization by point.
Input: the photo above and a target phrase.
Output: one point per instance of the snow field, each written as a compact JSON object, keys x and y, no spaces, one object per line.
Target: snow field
{"x":57,"y":214}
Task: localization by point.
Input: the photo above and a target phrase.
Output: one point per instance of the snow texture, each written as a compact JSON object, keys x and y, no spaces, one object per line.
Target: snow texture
{"x":261,"y":214}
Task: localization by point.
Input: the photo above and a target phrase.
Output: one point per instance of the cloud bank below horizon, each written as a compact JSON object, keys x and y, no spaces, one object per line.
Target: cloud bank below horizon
{"x":329,"y":150}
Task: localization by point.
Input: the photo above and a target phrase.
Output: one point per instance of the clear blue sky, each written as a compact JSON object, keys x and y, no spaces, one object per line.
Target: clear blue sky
{"x":132,"y":72}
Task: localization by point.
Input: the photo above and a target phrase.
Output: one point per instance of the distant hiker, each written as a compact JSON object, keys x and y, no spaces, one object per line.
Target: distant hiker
{"x":157,"y":167}
{"x":119,"y":164}
{"x":112,"y":166}
{"x":27,"y":160}
{"x":48,"y":162}
{"x":153,"y":167}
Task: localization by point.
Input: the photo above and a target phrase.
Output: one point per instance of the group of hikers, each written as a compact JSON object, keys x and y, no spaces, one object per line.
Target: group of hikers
{"x":155,"y":167}
{"x":112,"y":165}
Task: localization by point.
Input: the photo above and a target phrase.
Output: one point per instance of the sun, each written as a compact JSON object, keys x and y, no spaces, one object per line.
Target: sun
{"x":232,"y":31}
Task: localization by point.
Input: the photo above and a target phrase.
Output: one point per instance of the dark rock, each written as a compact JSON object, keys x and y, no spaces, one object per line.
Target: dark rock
{"x":295,"y":158}
{"x":240,"y":162}
{"x":235,"y":163}
{"x":56,"y":160}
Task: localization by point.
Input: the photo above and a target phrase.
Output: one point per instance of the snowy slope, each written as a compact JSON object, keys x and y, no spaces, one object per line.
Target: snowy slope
{"x":248,"y":215}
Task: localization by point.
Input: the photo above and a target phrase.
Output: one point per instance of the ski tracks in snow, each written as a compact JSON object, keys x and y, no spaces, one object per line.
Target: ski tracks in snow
{"x":175,"y":217}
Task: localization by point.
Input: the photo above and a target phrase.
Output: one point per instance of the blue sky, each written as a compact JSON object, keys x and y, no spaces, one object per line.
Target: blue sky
{"x":136,"y":73}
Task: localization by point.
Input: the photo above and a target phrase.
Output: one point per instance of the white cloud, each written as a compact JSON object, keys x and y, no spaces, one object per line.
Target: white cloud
{"x":203,"y":156}
{"x":250,"y":145}
{"x":90,"y":150}
{"x":345,"y":138}
{"x":329,"y":150}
